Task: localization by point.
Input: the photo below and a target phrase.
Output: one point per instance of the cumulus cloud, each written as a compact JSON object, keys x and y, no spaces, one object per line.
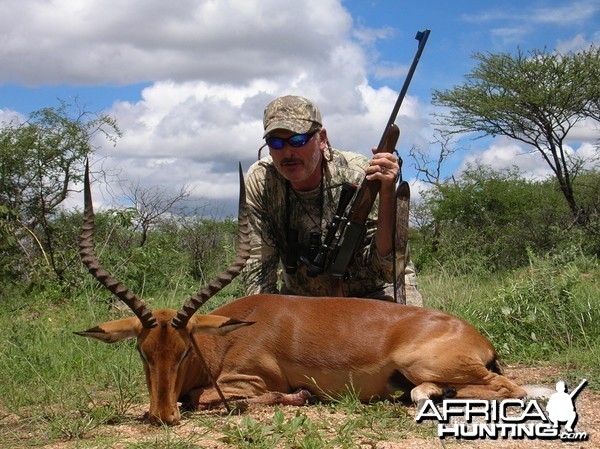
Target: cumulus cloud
{"x":208,"y":70}
{"x":196,"y":133}
{"x":228,"y":41}
{"x":504,"y":153}
{"x":7,"y":116}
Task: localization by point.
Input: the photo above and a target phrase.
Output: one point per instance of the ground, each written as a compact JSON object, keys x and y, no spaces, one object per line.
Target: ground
{"x":255,"y":427}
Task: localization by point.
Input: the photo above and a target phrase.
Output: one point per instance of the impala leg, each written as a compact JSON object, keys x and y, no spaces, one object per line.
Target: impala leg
{"x":424,"y":391}
{"x":202,"y":399}
{"x":250,"y":388}
{"x":493,"y":386}
{"x":300,"y":397}
{"x":496,"y":386}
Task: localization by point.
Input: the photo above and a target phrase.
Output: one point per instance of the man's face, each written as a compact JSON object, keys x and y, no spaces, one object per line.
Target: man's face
{"x":301,"y":166}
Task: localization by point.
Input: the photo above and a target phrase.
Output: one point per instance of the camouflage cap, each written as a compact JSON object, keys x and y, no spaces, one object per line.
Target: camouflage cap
{"x":293,"y":113}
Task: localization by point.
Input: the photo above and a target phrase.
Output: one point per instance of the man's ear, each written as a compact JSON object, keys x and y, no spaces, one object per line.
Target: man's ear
{"x":323,"y":138}
{"x":215,"y":324}
{"x":114,"y":331}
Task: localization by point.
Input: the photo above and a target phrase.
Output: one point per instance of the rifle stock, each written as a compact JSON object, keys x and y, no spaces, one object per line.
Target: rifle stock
{"x":353,"y":233}
{"x":359,"y":212}
{"x":369,"y":189}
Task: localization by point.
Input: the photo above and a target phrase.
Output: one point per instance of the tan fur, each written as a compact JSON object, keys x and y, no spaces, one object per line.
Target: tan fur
{"x":283,"y":345}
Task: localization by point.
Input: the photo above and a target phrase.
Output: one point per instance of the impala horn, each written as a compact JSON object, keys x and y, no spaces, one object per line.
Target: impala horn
{"x":243,"y":252}
{"x":88,"y":257}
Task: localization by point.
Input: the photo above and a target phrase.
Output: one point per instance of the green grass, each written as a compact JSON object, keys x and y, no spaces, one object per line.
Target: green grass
{"x":549,"y":311}
{"x":58,"y":387}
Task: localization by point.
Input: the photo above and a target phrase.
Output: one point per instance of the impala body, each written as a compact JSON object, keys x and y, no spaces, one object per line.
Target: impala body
{"x":283,"y":349}
{"x":319,"y":345}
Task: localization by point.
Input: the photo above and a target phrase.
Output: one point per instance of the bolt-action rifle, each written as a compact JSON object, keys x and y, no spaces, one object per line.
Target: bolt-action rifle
{"x":351,"y":226}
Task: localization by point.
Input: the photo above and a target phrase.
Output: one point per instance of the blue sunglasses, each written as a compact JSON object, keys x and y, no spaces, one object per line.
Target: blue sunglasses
{"x":296,"y":141}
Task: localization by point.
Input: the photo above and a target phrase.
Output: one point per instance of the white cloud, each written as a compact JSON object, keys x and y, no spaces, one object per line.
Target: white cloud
{"x":225,"y":41}
{"x":194,"y":133}
{"x":210,"y":67}
{"x":215,"y":66}
{"x":504,"y":153}
{"x":572,"y":12}
{"x":8,"y":116}
{"x":584,"y":131}
{"x":576,"y":43}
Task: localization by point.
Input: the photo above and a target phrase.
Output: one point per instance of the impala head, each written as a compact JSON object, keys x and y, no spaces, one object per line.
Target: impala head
{"x":164,"y":337}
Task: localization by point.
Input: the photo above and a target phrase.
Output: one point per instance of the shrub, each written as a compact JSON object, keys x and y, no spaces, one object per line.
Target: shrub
{"x":546,"y":310}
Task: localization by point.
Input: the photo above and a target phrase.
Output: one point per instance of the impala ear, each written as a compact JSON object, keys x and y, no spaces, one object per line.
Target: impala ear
{"x":114,"y":331}
{"x":215,"y":324}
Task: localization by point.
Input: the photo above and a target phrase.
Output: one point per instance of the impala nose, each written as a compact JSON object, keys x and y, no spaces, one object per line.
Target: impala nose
{"x":170,"y":418}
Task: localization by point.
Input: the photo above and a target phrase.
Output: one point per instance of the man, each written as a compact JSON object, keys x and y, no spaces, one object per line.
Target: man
{"x":561,"y":407}
{"x":293,"y":195}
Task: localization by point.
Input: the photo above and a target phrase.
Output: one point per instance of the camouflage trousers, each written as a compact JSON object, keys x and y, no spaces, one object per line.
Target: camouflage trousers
{"x":411,"y":296}
{"x":408,"y":295}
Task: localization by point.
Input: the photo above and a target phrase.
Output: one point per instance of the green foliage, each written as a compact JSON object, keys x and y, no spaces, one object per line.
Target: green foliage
{"x":175,"y":261}
{"x":40,"y":159}
{"x":299,"y":431}
{"x":210,"y":244}
{"x":545,"y":311}
{"x":499,"y":96}
{"x":535,"y":98}
{"x":491,"y":220}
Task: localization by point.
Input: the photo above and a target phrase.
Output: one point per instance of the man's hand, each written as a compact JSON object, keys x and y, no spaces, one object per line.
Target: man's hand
{"x":384,"y":167}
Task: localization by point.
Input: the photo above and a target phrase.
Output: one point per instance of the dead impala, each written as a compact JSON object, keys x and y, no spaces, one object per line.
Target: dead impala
{"x":281,"y":349}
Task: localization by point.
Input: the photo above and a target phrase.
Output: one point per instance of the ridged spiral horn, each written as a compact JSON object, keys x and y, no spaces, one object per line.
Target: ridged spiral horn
{"x":88,"y":257}
{"x":243,"y":252}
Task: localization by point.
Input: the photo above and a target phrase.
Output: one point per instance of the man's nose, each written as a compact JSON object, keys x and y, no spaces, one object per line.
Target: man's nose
{"x":287,"y":150}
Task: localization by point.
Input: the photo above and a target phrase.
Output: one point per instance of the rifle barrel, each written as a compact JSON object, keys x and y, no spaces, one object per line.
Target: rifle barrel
{"x":368,"y":190}
{"x":576,"y":391}
{"x":422,"y":38}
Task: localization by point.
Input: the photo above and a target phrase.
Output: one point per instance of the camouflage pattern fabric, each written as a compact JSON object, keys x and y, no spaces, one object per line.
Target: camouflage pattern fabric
{"x":275,"y":207}
{"x":294,"y":113}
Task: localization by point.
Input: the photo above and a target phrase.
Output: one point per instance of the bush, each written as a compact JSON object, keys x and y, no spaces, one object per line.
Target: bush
{"x":489,"y":220}
{"x":545,"y":310}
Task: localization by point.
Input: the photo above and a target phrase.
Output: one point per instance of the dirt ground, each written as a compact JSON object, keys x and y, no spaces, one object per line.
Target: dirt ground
{"x":133,"y":433}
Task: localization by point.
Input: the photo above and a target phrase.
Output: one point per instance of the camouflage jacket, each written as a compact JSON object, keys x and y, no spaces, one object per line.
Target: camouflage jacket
{"x":280,"y":217}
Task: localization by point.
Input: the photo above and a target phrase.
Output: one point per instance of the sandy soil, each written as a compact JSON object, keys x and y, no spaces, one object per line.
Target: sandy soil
{"x":132,"y":432}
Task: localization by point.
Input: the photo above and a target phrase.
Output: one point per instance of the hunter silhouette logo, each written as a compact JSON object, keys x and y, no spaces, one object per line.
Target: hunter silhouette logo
{"x":561,"y":406}
{"x":508,"y":419}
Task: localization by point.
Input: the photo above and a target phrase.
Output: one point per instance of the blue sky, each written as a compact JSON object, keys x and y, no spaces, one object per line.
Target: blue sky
{"x":187,"y":81}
